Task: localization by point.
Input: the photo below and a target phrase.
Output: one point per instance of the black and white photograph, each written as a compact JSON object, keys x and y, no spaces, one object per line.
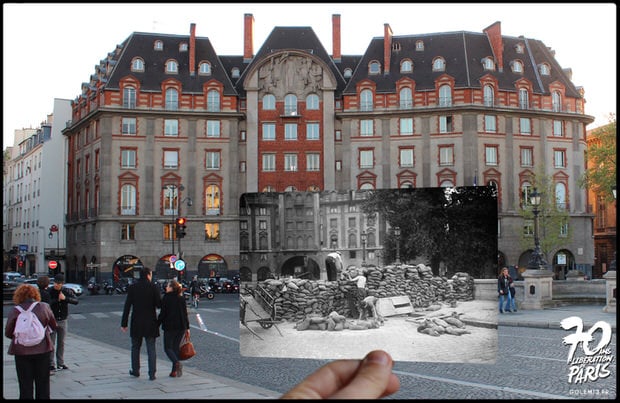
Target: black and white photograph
{"x":336,"y":274}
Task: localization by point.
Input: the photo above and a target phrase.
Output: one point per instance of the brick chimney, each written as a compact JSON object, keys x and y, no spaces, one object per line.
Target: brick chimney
{"x":387,"y":48}
{"x":248,"y":37}
{"x":192,"y":49}
{"x":336,"y":53}
{"x":494,"y":33}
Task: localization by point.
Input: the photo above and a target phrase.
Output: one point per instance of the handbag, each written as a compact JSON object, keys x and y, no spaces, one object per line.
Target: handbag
{"x":186,"y":348}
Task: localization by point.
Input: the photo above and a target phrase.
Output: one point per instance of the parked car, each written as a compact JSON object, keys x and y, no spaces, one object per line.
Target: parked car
{"x":11,"y":276}
{"x":76,"y":288}
{"x":8,"y":288}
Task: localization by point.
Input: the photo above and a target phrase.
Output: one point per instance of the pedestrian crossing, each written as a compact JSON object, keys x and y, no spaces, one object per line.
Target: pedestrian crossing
{"x":118,"y":314}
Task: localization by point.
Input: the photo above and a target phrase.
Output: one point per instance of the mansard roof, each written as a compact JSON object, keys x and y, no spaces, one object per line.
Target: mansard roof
{"x":463,"y":53}
{"x":142,"y":45}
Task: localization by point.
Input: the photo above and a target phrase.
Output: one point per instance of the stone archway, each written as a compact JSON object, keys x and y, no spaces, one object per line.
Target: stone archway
{"x":301,"y":267}
{"x":563,"y":261}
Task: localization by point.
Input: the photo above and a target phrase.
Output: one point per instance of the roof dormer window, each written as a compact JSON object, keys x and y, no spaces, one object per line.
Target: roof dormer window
{"x":439,"y":64}
{"x":204,"y":68}
{"x":172,"y":66}
{"x":419,"y":45}
{"x":406,"y":66}
{"x":235,"y":72}
{"x":183,"y":47}
{"x":348,"y":73}
{"x":374,"y":67}
{"x":158,"y":45}
{"x":544,"y":69}
{"x":519,"y":48}
{"x":137,"y":64}
{"x":517,"y":66}
{"x":488,"y":63}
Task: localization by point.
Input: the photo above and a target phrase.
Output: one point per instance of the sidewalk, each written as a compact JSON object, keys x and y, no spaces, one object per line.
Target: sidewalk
{"x":106,"y":375}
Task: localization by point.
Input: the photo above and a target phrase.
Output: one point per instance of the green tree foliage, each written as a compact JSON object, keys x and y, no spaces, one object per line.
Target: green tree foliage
{"x":600,"y":176}
{"x":553,"y":229}
{"x":455,"y":225}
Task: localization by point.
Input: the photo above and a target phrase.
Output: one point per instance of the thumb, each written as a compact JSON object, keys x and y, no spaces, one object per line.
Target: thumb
{"x":373,"y":379}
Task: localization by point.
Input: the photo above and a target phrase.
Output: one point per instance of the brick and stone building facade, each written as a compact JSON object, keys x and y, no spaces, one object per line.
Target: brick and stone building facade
{"x":165,"y":119}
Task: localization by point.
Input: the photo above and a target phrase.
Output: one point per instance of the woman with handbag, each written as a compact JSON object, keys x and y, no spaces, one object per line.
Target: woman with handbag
{"x":174,"y":322}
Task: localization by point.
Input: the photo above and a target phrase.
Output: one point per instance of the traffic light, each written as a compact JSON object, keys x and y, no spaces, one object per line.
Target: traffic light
{"x":181,"y":227}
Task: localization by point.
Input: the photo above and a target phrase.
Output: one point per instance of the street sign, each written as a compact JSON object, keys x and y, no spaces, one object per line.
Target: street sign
{"x":54,"y":228}
{"x":179,"y":265}
{"x":52,"y":264}
{"x":173,"y":258}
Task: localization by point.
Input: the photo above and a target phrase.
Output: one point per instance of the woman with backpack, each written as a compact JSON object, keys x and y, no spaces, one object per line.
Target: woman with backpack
{"x":31,"y":361}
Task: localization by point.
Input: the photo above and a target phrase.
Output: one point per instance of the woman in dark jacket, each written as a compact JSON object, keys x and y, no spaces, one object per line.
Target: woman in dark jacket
{"x":31,"y":363}
{"x":174,"y":322}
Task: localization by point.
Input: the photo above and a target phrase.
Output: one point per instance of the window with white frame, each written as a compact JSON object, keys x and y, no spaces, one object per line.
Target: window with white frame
{"x":405,"y":98}
{"x":525,"y":126}
{"x":526,"y":191}
{"x":338,"y":135}
{"x":312,"y":131}
{"x":564,"y":229}
{"x":290,"y":104}
{"x":183,"y":47}
{"x":519,"y":48}
{"x":490,"y":155}
{"x":234,"y":72}
{"x":445,"y":124}
{"x":488,"y":63}
{"x":556,"y":101}
{"x":559,"y":158}
{"x":312,"y":102}
{"x":374,"y":67}
{"x":171,"y":127}
{"x":158,"y":45}
{"x":527,"y":157}
{"x":367,"y":159}
{"x":347,"y":73}
{"x":212,"y":160}
{"x":269,"y":102}
{"x":242,"y":166}
{"x":269,"y":162}
{"x":137,"y":65}
{"x":544,"y":69}
{"x":204,"y":68}
{"x":171,"y":159}
{"x":313,"y":162}
{"x":269,"y":131}
{"x":528,"y":227}
{"x":290,"y":162}
{"x":172,"y":99}
{"x":560,"y":195}
{"x":419,"y":45}
{"x":517,"y":66}
{"x":406,"y":66}
{"x":366,"y":127}
{"x":129,"y":126}
{"x":524,"y":99}
{"x":290,"y":131}
{"x":406,"y":126}
{"x":128,"y":200}
{"x":445,"y":95}
{"x":128,"y":158}
{"x":439,"y":64}
{"x":366,"y":100}
{"x":446,"y":155}
{"x":558,"y":128}
{"x":338,"y":165}
{"x":489,"y":95}
{"x":406,"y":157}
{"x":213,"y":128}
{"x":490,"y":123}
{"x":213,"y":101}
{"x":172,"y":66}
{"x":129,"y":97}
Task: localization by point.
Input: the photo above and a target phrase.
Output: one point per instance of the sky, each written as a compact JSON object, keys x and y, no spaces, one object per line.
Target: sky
{"x":50,"y":49}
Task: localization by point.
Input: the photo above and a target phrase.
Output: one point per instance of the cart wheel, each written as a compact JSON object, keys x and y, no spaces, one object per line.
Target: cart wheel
{"x":265,"y":325}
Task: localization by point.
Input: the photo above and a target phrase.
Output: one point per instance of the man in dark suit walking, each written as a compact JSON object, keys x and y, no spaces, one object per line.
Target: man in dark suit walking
{"x":144,"y":296}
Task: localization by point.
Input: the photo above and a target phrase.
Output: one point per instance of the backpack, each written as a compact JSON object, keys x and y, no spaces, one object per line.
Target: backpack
{"x":28,"y":329}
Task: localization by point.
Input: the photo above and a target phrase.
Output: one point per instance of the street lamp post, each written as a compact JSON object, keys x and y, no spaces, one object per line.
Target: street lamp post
{"x":364,"y":237}
{"x":537,"y":260}
{"x":397,"y":233}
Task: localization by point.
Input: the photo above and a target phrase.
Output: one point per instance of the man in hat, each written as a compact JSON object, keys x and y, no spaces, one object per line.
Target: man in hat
{"x":60,"y":298}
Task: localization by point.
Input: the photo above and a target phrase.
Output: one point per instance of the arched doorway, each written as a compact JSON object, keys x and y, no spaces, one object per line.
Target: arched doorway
{"x":212,"y":265}
{"x":264,"y":273}
{"x":126,"y":267}
{"x":301,"y":267}
{"x":245,"y":274}
{"x":563,"y":261}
